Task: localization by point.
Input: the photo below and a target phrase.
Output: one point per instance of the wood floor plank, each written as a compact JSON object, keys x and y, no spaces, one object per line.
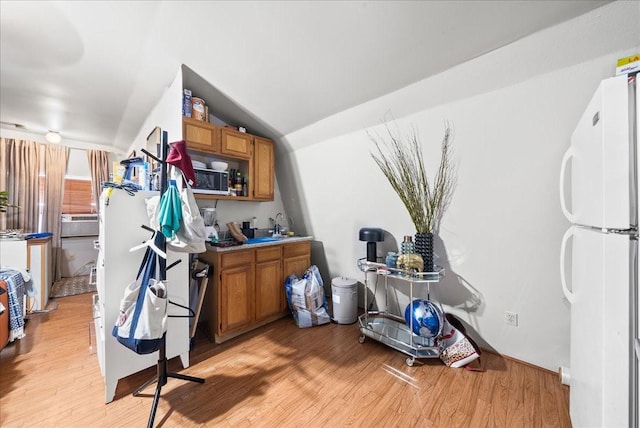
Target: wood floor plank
{"x":550,"y":410}
{"x":532,"y":401}
{"x":515,"y":402}
{"x":500,"y":397}
{"x":278,"y":376}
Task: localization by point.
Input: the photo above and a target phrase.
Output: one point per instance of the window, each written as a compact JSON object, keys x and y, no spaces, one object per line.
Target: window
{"x":77,"y":197}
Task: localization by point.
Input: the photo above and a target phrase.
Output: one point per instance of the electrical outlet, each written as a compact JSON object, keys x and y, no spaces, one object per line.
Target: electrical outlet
{"x":511,"y":318}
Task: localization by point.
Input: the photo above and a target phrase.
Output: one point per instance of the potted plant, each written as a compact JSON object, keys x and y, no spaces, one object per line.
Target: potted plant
{"x":426,"y":200}
{"x":4,"y":204}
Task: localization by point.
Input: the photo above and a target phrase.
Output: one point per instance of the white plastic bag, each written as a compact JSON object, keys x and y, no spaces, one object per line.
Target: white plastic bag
{"x":306,"y":298}
{"x":190,"y":237}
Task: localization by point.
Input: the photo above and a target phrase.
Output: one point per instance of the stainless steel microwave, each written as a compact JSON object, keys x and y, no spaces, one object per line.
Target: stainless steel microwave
{"x":211,"y":182}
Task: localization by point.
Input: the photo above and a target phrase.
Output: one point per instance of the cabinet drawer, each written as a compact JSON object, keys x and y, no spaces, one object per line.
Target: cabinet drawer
{"x":268,"y":254}
{"x":236,"y":258}
{"x":297,"y":249}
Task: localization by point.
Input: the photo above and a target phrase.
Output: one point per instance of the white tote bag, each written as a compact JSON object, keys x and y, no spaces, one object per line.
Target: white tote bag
{"x":191,"y":236}
{"x":143,"y":310}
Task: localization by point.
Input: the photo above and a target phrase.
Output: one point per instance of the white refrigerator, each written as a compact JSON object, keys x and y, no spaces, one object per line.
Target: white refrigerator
{"x":599,"y":258}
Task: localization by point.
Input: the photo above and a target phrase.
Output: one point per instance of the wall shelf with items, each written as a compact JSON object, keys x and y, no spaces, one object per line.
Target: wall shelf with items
{"x":253,"y":155}
{"x":223,"y":197}
{"x":237,"y":172}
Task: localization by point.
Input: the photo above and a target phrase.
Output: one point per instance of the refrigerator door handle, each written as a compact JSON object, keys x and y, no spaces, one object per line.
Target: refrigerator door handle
{"x":570,"y":153}
{"x":563,"y":278}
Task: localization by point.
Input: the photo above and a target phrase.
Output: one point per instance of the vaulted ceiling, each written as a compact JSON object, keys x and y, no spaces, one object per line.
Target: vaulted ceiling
{"x":94,"y":70}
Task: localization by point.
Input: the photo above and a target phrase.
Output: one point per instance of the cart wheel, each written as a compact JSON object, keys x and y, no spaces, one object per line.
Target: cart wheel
{"x":361,"y":339}
{"x":409,"y":361}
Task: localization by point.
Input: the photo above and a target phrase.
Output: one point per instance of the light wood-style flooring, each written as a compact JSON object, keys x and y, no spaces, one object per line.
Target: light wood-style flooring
{"x":279,"y":376}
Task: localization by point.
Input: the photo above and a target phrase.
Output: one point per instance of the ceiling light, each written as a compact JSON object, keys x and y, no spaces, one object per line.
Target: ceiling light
{"x":53,"y":137}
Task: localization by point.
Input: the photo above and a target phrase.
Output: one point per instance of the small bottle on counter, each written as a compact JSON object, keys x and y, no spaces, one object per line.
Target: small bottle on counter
{"x":238,"y":184}
{"x":407,"y":245}
{"x":392,"y":259}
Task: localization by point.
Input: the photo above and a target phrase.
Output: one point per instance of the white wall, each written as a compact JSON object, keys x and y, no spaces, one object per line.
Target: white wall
{"x":239,"y":211}
{"x":167,"y":114}
{"x":513,"y":111}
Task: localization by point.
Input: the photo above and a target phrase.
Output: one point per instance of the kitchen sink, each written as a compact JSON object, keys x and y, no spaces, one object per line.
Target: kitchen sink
{"x":261,"y":240}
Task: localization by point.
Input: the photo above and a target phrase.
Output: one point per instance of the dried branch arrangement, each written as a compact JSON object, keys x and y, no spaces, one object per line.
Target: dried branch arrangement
{"x":404,"y":167}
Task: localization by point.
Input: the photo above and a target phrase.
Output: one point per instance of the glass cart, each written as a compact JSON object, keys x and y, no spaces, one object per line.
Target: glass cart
{"x":389,"y":328}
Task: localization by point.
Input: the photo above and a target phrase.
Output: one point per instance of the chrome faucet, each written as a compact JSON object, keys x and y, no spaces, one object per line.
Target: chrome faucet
{"x":276,"y":225}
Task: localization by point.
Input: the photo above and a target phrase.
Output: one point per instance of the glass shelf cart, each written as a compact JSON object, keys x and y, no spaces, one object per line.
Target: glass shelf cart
{"x":391,"y":329}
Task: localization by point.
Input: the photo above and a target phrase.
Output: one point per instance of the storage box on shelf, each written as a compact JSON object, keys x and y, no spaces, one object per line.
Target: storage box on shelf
{"x":254,"y":155}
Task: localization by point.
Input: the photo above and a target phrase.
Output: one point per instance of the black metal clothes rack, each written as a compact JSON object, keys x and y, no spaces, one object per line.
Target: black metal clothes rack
{"x":163,"y":374}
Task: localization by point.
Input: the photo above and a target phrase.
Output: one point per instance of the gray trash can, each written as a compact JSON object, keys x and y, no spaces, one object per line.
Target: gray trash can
{"x":344,"y":296}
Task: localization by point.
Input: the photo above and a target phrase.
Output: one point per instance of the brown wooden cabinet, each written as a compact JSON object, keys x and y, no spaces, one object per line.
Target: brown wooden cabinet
{"x":296,"y":258}
{"x":235,"y":144}
{"x":247,"y":288}
{"x":262,"y":167}
{"x":255,"y":155}
{"x":269,"y":291}
{"x":235,"y":305}
{"x":201,"y":136}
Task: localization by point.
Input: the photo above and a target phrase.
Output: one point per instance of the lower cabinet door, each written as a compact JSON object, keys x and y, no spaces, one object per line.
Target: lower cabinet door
{"x":236,"y":296}
{"x":269,"y":289}
{"x":296,"y":265}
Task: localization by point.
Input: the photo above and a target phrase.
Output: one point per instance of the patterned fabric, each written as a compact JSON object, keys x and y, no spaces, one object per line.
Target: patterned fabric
{"x":456,"y":350}
{"x":15,"y":289}
{"x":460,"y":353}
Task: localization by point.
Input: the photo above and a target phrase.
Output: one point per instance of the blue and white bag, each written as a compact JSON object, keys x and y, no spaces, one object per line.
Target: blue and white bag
{"x":306,"y":298}
{"x":143,"y":310}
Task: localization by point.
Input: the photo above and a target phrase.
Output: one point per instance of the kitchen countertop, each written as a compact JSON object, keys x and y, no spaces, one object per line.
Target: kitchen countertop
{"x":280,"y":241}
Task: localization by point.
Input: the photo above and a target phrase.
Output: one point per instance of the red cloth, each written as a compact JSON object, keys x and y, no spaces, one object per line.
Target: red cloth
{"x":179,"y":158}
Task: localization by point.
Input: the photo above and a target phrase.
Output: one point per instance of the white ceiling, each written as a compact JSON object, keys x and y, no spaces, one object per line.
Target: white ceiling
{"x":94,"y":70}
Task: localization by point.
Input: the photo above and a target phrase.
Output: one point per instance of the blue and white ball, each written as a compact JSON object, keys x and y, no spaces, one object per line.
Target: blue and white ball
{"x":427,"y":318}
